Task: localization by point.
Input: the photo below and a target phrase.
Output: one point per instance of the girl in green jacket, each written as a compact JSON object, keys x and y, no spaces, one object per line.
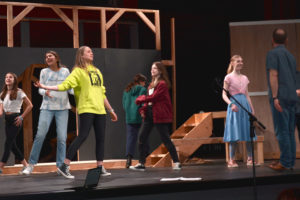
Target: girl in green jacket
{"x":133,"y":118}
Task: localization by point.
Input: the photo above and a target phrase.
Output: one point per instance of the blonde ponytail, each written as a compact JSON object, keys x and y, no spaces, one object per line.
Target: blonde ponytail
{"x":230,"y":67}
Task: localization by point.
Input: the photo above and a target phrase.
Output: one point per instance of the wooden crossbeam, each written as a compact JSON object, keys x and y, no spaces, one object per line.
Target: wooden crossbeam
{"x":114,"y":19}
{"x":63,"y":16}
{"x":21,"y":15}
{"x":146,"y":20}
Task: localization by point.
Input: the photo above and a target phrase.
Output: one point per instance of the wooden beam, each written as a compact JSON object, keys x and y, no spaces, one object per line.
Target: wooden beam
{"x":42,"y":5}
{"x":168,"y":63}
{"x":114,"y":19}
{"x":219,"y":114}
{"x":10,"y":30}
{"x":21,"y":15}
{"x":63,"y":16}
{"x":75,"y":28}
{"x":102,"y":28}
{"x":157,"y":32}
{"x":174,"y":67}
{"x":146,"y":20}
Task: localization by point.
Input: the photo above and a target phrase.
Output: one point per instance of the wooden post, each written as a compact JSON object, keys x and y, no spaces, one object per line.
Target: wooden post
{"x":75,"y":28}
{"x":173,"y":72}
{"x":157,"y":31}
{"x":103,"y":29}
{"x":10,"y":30}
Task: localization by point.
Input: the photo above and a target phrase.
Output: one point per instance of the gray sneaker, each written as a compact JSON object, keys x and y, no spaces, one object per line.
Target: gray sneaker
{"x":64,"y":170}
{"x":104,"y":172}
{"x":27,"y":170}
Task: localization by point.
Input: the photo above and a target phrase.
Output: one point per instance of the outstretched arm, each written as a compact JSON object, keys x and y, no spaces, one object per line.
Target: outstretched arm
{"x":40,"y":85}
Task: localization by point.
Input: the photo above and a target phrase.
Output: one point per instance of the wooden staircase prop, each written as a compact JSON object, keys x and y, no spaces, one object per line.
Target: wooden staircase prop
{"x":192,"y":134}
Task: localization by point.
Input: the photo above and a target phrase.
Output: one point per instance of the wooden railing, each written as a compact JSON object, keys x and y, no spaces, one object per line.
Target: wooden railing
{"x":73,"y":23}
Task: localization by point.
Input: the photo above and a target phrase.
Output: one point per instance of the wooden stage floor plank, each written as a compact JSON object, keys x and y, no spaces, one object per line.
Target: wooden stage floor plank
{"x":214,"y":174}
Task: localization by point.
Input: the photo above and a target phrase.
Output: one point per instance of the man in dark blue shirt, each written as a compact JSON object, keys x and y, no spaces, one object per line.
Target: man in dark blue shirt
{"x":298,"y":104}
{"x":281,"y":75}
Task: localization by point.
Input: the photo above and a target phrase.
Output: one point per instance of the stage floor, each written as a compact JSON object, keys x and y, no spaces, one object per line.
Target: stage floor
{"x":124,"y":182}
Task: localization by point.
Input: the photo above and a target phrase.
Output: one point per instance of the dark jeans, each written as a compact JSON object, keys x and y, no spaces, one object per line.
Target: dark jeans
{"x":163,"y":130}
{"x":11,"y":131}
{"x":284,"y":126}
{"x":86,"y":121}
{"x":132,"y":137}
{"x":298,"y":124}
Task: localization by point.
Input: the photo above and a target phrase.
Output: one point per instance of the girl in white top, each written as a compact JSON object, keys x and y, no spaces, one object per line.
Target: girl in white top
{"x":56,"y":105}
{"x":11,"y":100}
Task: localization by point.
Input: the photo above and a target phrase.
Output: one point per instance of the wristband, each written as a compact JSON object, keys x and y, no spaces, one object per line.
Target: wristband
{"x":111,"y":111}
{"x":20,"y":117}
{"x":275,"y":98}
{"x":230,"y":104}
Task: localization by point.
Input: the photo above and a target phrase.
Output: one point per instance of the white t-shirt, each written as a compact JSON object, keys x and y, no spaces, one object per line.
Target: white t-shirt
{"x":13,"y":106}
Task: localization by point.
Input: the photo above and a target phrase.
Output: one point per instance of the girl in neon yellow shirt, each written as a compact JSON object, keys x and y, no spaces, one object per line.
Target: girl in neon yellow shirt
{"x":89,"y":92}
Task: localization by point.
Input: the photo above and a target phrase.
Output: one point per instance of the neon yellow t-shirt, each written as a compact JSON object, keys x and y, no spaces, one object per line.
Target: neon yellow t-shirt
{"x":89,"y":90}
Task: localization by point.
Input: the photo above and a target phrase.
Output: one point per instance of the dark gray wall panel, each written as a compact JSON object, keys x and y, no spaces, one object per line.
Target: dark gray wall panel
{"x":118,"y":67}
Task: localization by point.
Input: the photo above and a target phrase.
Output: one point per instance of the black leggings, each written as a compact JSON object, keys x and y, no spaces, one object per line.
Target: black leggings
{"x":163,"y":130}
{"x":86,"y":120}
{"x":11,"y":131}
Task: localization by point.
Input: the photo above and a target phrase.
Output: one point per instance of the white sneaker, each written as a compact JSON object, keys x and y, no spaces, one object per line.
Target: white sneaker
{"x":104,"y":172}
{"x":177,"y":166}
{"x":138,"y":167}
{"x":27,"y":170}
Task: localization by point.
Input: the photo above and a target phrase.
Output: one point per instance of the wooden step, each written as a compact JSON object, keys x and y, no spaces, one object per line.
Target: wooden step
{"x":178,"y":135}
{"x":157,"y":155}
{"x":190,"y":124}
{"x":190,"y":141}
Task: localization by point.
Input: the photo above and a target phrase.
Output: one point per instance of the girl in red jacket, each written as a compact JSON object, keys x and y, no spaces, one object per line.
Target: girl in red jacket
{"x":156,"y":112}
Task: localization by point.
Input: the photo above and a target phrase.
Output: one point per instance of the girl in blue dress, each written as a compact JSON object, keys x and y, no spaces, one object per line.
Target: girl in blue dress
{"x":237,"y":127}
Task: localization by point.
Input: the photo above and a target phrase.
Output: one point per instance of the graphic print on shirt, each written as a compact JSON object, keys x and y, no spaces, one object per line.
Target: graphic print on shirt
{"x":94,"y":78}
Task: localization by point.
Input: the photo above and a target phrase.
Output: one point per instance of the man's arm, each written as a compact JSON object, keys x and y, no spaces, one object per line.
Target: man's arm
{"x":273,"y":75}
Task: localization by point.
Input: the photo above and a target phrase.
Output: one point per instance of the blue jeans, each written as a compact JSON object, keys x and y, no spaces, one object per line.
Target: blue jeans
{"x":61,"y":119}
{"x":284,"y":126}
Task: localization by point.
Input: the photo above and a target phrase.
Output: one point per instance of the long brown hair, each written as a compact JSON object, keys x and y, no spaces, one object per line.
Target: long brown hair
{"x":136,"y":80}
{"x":163,"y":75}
{"x":56,"y":56}
{"x":230,"y":66}
{"x":14,"y":91}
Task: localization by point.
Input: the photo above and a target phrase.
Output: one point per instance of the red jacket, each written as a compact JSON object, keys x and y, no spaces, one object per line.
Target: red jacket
{"x":161,"y":103}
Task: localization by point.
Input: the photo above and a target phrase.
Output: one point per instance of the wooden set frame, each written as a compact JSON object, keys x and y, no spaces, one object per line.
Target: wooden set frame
{"x":73,"y":23}
{"x":105,"y":25}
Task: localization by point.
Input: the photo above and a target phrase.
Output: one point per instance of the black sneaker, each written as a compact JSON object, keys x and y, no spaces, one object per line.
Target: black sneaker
{"x":138,"y":167}
{"x":64,"y":170}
